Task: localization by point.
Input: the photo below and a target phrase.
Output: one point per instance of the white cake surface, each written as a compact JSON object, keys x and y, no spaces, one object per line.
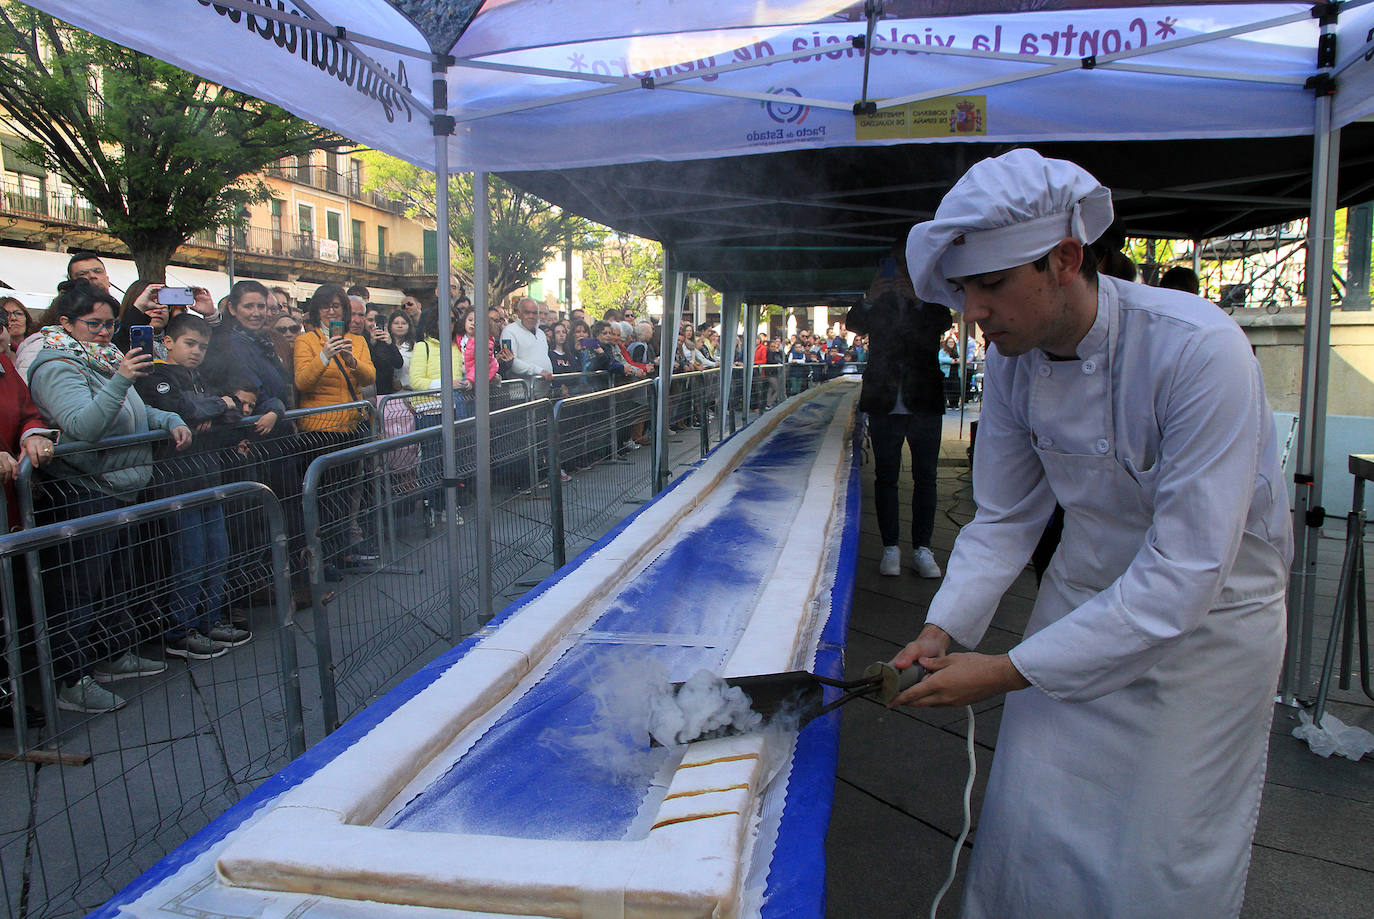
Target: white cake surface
{"x":320,"y":838}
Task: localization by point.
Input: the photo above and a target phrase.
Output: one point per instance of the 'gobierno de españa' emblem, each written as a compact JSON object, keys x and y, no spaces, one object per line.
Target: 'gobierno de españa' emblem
{"x":965,"y":118}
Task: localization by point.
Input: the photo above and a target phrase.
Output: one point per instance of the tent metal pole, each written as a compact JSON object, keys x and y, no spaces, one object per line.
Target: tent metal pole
{"x":1311,"y":442}
{"x":481,"y":223}
{"x":729,"y":327}
{"x":448,"y":434}
{"x":667,"y":353}
{"x":751,"y":331}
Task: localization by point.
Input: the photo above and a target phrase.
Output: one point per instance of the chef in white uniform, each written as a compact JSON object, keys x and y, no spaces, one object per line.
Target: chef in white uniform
{"x":1132,"y":749}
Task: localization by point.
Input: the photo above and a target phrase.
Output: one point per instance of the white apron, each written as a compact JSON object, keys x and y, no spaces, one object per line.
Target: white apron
{"x":1142,"y":802}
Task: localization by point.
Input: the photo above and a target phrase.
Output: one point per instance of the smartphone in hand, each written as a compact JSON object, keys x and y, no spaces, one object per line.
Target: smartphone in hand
{"x":175,"y":296}
{"x":336,"y":328}
{"x":141,"y":339}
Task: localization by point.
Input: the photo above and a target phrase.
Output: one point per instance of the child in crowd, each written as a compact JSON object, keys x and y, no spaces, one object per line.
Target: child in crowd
{"x":200,"y":539}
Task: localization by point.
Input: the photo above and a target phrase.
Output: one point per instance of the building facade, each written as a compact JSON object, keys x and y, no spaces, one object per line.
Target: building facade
{"x":317,"y":226}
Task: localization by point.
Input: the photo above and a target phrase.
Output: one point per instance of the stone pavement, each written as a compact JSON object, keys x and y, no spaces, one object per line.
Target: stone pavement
{"x":901,"y":774}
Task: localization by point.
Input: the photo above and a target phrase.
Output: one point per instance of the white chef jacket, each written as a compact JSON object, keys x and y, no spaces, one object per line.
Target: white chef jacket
{"x":1127,"y":778}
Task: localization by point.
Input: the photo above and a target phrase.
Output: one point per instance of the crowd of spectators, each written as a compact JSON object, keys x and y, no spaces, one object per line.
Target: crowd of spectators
{"x":221,"y":378}
{"x":253,"y":386}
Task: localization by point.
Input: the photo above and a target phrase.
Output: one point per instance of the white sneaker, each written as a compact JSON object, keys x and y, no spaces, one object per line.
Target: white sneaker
{"x":923,"y":560}
{"x":891,"y":564}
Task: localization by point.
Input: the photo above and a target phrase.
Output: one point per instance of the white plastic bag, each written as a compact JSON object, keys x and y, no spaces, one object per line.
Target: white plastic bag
{"x":1334,"y":736}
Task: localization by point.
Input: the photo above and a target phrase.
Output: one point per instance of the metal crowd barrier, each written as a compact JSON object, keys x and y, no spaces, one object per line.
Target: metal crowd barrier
{"x":388,"y":589}
{"x":94,"y":797}
{"x":603,"y":441}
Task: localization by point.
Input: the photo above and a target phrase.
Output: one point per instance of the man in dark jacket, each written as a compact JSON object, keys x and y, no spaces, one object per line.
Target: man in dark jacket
{"x":903,"y":395}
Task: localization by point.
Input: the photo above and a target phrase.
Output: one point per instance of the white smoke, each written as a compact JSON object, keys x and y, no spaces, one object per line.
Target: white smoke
{"x":703,"y":704}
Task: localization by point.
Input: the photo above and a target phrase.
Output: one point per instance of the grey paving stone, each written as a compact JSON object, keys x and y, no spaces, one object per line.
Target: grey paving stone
{"x":881,"y":862}
{"x":912,"y":766}
{"x":1327,"y":826}
{"x":1283,"y":885}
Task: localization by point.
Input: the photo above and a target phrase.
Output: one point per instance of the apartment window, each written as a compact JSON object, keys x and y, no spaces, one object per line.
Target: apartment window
{"x":305,"y":219}
{"x":331,"y":171}
{"x":276,"y":217}
{"x":333,"y":226}
{"x":30,"y":186}
{"x":357,"y":238}
{"x":355,"y":178}
{"x":381,"y":242}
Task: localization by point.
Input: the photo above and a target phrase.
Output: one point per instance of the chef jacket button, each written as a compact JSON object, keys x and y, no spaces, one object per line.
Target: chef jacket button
{"x":1103,"y":446}
{"x":1045,"y":370}
{"x":1089,"y":366}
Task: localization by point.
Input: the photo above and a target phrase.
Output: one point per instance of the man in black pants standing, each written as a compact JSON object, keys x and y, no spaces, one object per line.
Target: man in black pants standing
{"x":903,"y":395}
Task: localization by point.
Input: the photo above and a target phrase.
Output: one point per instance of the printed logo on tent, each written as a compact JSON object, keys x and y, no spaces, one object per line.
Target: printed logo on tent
{"x":789,"y":114}
{"x":785,"y":112}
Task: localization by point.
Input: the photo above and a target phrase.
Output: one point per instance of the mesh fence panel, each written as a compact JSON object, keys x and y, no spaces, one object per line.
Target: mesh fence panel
{"x":393,"y":591}
{"x":96,"y":796}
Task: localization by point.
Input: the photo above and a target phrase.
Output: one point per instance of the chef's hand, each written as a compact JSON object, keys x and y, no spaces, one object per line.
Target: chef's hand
{"x":932,"y":642}
{"x":954,"y":679}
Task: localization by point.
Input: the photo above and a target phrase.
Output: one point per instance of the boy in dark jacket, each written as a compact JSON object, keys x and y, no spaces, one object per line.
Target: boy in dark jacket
{"x":200,"y":539}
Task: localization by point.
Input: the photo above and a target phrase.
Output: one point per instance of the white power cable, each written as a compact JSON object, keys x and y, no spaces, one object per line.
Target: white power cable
{"x":968,"y":817}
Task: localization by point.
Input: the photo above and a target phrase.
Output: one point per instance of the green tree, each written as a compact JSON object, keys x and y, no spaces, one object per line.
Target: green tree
{"x":159,"y":153}
{"x":620,"y":271}
{"x":525,"y":229}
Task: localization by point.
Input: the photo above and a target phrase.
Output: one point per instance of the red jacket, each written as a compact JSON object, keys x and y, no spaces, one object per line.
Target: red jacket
{"x":18,"y":415}
{"x":761,"y":353}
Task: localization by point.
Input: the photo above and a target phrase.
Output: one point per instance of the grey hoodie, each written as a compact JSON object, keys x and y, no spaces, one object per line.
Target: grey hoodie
{"x":85,"y":405}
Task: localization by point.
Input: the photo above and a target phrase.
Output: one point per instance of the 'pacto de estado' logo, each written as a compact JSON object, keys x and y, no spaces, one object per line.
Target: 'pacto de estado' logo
{"x":783,"y":111}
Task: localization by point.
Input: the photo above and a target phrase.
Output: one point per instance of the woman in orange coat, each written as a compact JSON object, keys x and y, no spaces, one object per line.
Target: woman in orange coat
{"x":331,"y":367}
{"x":331,"y":364}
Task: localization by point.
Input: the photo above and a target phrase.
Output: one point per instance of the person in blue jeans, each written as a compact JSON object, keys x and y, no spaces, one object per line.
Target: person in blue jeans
{"x":199,"y":538}
{"x":903,"y":396}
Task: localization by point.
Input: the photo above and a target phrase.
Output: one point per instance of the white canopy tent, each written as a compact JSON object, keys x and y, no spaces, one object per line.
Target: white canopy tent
{"x":537,"y":84}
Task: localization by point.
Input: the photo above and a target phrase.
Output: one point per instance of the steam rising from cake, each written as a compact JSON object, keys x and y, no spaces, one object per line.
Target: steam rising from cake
{"x":703,"y":704}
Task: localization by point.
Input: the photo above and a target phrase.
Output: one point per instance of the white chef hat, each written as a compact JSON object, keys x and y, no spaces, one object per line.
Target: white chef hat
{"x":1006,"y":211}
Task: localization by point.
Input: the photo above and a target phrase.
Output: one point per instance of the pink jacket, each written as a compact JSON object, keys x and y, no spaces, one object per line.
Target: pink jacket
{"x":468,"y":345}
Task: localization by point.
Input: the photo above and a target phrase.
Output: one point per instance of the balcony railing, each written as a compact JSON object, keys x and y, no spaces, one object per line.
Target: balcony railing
{"x":308,"y":247}
{"x":53,"y":206}
{"x":332,"y":180}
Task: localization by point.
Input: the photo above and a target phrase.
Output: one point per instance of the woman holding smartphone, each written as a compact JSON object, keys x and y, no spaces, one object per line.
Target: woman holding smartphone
{"x":332,"y":366}
{"x":84,"y":386}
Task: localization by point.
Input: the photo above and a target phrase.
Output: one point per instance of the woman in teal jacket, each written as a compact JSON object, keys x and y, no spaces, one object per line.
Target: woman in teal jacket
{"x":84,"y":386}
